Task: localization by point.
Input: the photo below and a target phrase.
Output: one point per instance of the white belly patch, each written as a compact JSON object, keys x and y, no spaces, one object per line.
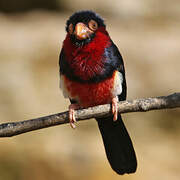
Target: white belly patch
{"x":118,"y":80}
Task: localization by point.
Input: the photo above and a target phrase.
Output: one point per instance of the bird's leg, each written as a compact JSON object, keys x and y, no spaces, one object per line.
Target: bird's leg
{"x":115,"y":108}
{"x":72,"y":118}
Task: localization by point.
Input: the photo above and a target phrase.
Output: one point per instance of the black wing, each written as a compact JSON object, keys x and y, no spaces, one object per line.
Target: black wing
{"x":63,"y":65}
{"x":114,"y":61}
{"x":64,"y":69}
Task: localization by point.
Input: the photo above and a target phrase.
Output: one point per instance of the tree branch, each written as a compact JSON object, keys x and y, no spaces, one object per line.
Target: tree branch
{"x":164,"y":102}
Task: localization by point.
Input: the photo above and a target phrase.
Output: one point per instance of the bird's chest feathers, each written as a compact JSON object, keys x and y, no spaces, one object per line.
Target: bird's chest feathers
{"x":91,"y":94}
{"x":87,"y":61}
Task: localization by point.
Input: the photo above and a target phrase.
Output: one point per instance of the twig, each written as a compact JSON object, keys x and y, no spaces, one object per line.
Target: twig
{"x":147,"y":104}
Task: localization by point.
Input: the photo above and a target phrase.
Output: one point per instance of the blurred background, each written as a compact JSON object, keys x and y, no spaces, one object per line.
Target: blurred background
{"x":31,"y":36}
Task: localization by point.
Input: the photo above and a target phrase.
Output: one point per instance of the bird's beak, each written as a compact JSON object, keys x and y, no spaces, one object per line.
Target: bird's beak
{"x":82,"y":31}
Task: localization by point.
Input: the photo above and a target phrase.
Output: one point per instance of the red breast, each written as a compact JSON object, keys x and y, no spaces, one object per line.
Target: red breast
{"x":90,"y":94}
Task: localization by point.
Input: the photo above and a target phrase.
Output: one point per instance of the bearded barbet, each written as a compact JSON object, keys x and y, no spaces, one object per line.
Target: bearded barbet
{"x":92,"y":73}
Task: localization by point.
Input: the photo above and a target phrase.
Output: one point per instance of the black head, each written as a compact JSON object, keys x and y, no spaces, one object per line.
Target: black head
{"x":82,"y":26}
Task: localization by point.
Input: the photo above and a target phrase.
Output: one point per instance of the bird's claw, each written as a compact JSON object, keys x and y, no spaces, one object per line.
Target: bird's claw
{"x":72,"y":119}
{"x":115,"y":108}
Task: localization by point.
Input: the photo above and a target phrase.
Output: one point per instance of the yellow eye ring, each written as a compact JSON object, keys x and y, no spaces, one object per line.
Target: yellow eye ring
{"x":93,"y":25}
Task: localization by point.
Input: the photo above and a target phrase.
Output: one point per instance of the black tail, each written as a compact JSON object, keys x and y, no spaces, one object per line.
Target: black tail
{"x":118,"y":145}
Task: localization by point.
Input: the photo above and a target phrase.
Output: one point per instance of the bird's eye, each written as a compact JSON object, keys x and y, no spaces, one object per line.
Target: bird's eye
{"x":93,"y":25}
{"x":70,"y":28}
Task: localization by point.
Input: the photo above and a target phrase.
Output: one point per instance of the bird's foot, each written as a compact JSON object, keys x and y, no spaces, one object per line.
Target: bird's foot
{"x":115,"y":108}
{"x":72,"y":118}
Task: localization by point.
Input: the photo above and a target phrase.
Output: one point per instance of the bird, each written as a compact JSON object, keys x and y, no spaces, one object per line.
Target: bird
{"x":92,"y":73}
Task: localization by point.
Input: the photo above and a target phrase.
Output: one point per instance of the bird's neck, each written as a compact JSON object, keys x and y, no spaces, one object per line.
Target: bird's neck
{"x":87,"y":61}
